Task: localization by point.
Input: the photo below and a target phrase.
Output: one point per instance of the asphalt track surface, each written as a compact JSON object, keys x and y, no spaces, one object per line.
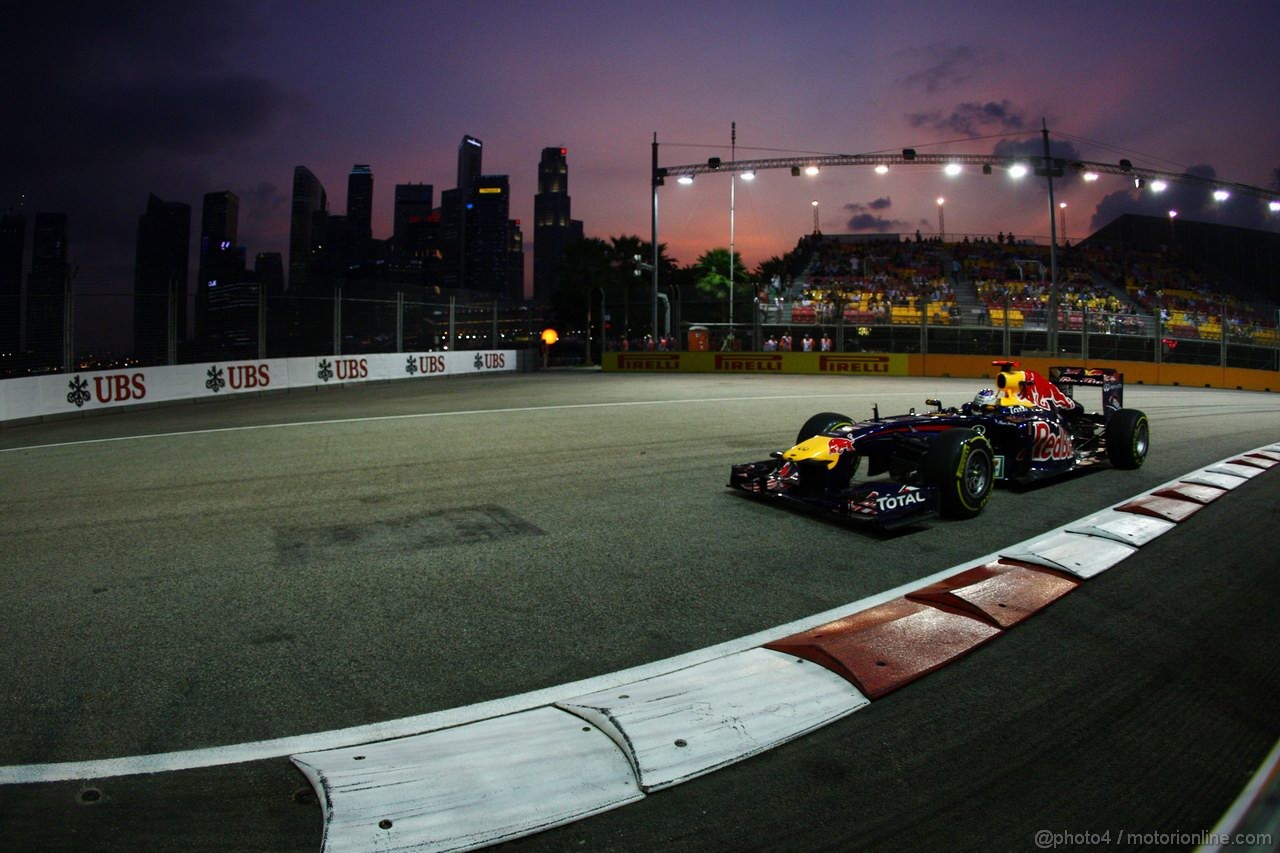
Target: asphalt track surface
{"x":265,"y":567}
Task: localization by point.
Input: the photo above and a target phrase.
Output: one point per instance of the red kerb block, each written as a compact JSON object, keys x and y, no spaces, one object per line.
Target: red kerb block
{"x":885,"y":647}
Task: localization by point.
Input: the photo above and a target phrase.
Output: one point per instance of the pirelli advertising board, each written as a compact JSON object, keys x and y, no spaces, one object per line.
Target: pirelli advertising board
{"x":826,"y":363}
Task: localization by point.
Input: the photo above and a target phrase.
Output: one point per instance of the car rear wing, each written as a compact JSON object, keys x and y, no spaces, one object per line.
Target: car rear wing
{"x":1110,"y":380}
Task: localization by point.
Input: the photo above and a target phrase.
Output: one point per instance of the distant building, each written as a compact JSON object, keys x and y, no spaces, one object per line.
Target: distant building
{"x":455,"y":206}
{"x":310,"y":205}
{"x":493,"y":240}
{"x":409,"y":220}
{"x":268,"y":271}
{"x":360,"y":202}
{"x":221,"y":262}
{"x":226,"y":298}
{"x":415,"y":238}
{"x":452,"y":243}
{"x":160,"y":275}
{"x":554,"y":229}
{"x":470,"y":156}
{"x":13,"y":238}
{"x":46,"y":292}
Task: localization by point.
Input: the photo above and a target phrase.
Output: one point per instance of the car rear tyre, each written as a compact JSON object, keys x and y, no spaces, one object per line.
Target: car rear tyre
{"x":820,"y":423}
{"x":1128,"y":438}
{"x":961,"y":464}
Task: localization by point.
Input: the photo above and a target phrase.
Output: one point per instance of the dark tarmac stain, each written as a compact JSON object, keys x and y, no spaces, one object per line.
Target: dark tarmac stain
{"x":427,"y":531}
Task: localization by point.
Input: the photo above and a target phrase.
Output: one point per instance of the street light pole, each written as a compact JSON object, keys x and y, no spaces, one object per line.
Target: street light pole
{"x":942,"y":228}
{"x":1062,"y":217}
{"x":1048,"y":172}
{"x":657,"y":182}
{"x":733,"y":155}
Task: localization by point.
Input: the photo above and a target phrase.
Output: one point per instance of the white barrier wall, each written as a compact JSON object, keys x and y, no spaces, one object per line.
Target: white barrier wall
{"x":63,"y":393}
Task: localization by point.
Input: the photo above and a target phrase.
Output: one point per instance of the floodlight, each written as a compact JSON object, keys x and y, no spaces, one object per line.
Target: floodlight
{"x":952,"y":169}
{"x":685,"y":179}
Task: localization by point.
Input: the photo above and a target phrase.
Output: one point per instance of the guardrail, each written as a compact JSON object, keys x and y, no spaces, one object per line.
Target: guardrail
{"x":62,"y":394}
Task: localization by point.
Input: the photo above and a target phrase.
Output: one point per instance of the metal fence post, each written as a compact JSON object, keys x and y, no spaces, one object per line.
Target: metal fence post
{"x":69,"y":321}
{"x":400,"y":320}
{"x":171,"y":335}
{"x":262,"y":321}
{"x":337,"y":319}
{"x":1222,"y":336}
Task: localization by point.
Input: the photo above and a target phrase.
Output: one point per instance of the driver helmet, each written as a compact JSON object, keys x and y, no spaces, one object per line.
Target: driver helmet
{"x":985,"y":400}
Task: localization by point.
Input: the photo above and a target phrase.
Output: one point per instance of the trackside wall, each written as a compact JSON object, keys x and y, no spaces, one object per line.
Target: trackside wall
{"x":64,"y":394}
{"x":898,"y":364}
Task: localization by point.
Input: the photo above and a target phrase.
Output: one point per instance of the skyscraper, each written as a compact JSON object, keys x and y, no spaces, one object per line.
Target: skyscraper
{"x":219,"y":224}
{"x":454,"y":207}
{"x":553,"y":227}
{"x":360,"y":202}
{"x":491,"y":239}
{"x":308,"y":201}
{"x":159,"y":276}
{"x":412,"y":210}
{"x":268,"y":271}
{"x":415,"y":240}
{"x":470,"y":155}
{"x":46,"y":289}
{"x":225,"y":299}
{"x":13,"y":236}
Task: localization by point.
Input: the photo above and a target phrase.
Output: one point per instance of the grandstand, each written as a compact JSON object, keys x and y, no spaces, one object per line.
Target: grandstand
{"x":1124,"y":280}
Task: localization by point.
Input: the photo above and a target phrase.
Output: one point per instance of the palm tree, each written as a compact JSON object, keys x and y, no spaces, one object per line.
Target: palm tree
{"x":713,"y":273}
{"x":775,"y":266}
{"x":593,"y":264}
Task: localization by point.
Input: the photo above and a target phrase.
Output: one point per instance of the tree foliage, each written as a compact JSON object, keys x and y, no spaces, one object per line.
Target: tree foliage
{"x":712,"y":270}
{"x":592,"y":264}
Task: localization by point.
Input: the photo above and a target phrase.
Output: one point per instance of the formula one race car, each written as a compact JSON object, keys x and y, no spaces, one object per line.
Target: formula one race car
{"x":945,"y":461}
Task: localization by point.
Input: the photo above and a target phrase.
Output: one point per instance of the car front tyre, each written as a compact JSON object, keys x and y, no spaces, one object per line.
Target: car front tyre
{"x":1128,"y":438}
{"x":820,"y":423}
{"x":961,"y":465}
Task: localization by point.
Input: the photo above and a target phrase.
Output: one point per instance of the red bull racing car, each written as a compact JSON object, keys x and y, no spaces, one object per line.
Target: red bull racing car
{"x":946,"y":461}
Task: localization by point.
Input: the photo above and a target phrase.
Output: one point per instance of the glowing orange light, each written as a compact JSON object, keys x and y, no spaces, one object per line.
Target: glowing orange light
{"x":549,"y":336}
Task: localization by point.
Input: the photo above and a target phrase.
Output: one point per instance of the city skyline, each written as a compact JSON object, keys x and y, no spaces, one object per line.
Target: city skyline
{"x":118,"y":102}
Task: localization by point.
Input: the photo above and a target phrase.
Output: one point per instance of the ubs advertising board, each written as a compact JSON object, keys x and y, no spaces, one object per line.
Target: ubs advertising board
{"x":774,"y":363}
{"x":69,"y":393}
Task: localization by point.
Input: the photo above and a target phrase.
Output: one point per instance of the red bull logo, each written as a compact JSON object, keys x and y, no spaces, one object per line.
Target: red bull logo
{"x":1049,"y":444}
{"x":837,"y":446}
{"x":1041,"y":392}
{"x":853,"y":364}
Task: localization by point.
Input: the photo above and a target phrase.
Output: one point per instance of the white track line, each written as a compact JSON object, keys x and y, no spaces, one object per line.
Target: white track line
{"x":463,"y":413}
{"x":406,"y":726}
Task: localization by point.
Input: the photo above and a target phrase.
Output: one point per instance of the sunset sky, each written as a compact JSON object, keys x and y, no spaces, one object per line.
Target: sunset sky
{"x":107,"y":102}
